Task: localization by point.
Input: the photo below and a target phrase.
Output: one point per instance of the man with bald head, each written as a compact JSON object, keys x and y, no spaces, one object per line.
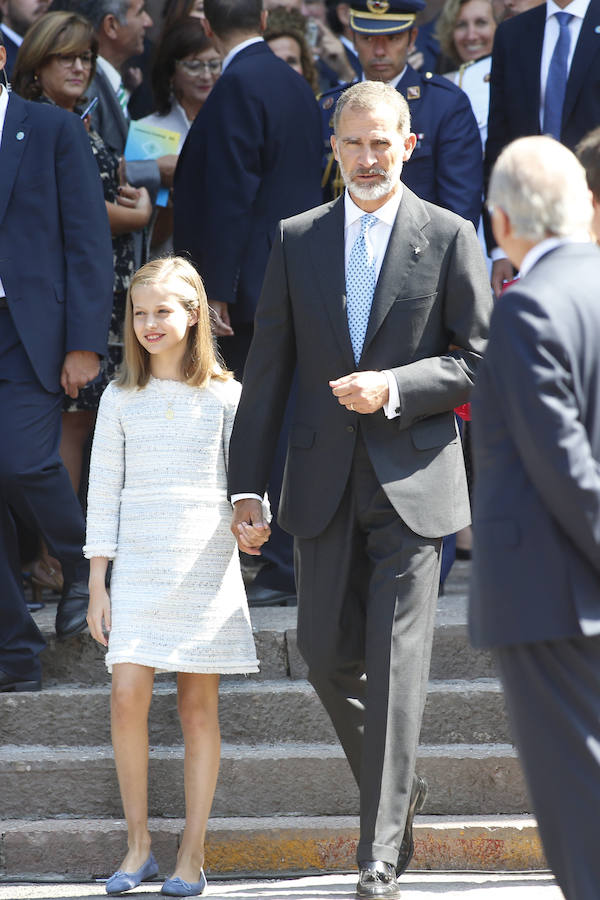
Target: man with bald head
{"x":535,"y":593}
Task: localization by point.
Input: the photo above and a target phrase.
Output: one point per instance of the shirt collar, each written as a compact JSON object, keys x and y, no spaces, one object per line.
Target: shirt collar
{"x":15,"y":38}
{"x":396,"y":81}
{"x":237,"y":49}
{"x":113,"y":75}
{"x":575,"y":8}
{"x":386,"y":213}
{"x":535,"y":254}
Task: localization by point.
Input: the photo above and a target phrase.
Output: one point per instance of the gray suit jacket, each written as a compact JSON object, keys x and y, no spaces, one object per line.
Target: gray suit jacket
{"x":536,"y":440}
{"x":432,"y":292}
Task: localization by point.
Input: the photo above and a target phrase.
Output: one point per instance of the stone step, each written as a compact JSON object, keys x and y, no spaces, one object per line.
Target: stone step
{"x":84,"y":849}
{"x":286,"y":779}
{"x":81,"y":660}
{"x":466,"y":712}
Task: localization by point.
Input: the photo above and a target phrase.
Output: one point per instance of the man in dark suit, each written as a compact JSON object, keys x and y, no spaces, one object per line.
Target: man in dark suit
{"x":252,"y":157}
{"x":535,"y":594}
{"x":374,"y":473}
{"x":55,"y":306}
{"x":542,"y":83}
{"x":15,"y":18}
{"x":446,"y":166}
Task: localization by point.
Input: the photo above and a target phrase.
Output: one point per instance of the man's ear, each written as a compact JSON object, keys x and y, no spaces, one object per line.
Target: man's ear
{"x":263,"y":20}
{"x":207,"y":29}
{"x":2,"y":57}
{"x":409,"y":145}
{"x":411,"y":40}
{"x":110,"y":26}
{"x":334,"y":147}
{"x":501,"y":226}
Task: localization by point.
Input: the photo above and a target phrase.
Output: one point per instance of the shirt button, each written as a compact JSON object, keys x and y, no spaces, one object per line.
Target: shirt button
{"x":350,"y":428}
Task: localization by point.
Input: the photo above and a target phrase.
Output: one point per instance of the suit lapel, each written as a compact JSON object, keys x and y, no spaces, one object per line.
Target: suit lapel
{"x":405,"y":247}
{"x":585,"y":51}
{"x":327,"y":250}
{"x":112,"y":100}
{"x":14,"y":139}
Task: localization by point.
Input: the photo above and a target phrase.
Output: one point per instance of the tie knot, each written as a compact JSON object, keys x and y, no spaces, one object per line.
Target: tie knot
{"x":366,"y":222}
{"x":563,"y":18}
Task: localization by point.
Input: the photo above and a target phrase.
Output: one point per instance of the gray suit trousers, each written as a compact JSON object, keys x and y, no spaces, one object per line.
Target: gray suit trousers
{"x":367,"y":593}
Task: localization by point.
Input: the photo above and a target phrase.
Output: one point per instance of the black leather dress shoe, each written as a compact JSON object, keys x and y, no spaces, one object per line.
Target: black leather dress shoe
{"x":407,"y":847}
{"x":377,"y":879}
{"x":14,"y":683}
{"x":72,"y":610}
{"x":265,"y":596}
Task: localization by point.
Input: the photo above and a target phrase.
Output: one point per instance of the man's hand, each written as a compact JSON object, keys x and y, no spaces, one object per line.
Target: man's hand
{"x":502,"y":270}
{"x":331,"y":50}
{"x":166,"y":166}
{"x":361,"y":392}
{"x":79,"y":368}
{"x":221,"y":324}
{"x":249,"y":527}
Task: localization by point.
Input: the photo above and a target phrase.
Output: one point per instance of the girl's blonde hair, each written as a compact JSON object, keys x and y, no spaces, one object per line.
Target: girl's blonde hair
{"x":201,"y":361}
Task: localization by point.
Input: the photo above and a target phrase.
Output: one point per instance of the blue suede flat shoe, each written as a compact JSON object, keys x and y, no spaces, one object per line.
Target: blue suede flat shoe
{"x":126,"y":881}
{"x":177,"y":887}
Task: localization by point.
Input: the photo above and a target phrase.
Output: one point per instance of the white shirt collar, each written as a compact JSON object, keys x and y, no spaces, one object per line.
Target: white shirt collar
{"x":535,"y":254}
{"x":4,"y":95}
{"x":576,"y":8}
{"x":113,"y":75}
{"x":386,"y":213}
{"x":235,"y":50}
{"x":15,"y":38}
{"x":396,"y":81}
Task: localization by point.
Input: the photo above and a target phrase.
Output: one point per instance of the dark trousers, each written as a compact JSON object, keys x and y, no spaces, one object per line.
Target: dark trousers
{"x":552,"y":692}
{"x":35,"y":486}
{"x":367,"y":595}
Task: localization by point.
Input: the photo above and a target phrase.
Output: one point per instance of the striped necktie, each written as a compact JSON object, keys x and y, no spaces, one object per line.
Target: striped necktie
{"x":123,"y":99}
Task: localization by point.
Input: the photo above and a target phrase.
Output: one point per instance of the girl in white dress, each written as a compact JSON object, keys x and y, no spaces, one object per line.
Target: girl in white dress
{"x":158,"y":508}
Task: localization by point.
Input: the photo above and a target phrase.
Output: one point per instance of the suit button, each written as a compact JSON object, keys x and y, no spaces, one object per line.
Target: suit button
{"x":350,"y":428}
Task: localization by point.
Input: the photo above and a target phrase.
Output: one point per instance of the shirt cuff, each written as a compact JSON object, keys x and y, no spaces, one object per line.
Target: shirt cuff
{"x":236,"y":497}
{"x":392,"y":407}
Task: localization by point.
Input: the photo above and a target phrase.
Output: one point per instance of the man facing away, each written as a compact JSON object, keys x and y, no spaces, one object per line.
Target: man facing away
{"x":535,"y":594}
{"x":381,"y":303}
{"x":15,"y":18}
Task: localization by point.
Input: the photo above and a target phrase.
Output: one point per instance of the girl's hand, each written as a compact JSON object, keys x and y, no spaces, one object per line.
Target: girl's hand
{"x":254,"y":536}
{"x":98,"y":615}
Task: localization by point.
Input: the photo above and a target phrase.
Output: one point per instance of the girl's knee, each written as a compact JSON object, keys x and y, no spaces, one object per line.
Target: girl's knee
{"x":129,"y":698}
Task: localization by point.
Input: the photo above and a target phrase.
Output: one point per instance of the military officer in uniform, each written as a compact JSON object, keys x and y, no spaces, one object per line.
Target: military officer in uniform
{"x":446,"y":165}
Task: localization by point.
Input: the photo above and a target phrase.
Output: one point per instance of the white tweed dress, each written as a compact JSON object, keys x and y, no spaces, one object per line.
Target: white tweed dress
{"x":157,"y":506}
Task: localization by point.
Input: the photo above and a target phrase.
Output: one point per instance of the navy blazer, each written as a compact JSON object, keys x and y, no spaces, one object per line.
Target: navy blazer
{"x":446,"y":165}
{"x":251,"y":158}
{"x":56,"y":261}
{"x":536,"y":443}
{"x":515,"y":81}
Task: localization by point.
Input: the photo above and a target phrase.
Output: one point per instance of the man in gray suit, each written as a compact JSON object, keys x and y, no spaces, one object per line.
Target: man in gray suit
{"x":381,"y":301}
{"x":536,"y":437}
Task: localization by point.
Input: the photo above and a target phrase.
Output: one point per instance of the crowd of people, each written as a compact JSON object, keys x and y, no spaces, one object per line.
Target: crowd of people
{"x":261,"y":149}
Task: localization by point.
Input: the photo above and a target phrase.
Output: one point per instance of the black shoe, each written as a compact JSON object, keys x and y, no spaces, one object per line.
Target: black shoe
{"x":377,"y":879}
{"x":16,"y":683}
{"x":72,"y":610}
{"x":407,"y":847}
{"x":266,"y":596}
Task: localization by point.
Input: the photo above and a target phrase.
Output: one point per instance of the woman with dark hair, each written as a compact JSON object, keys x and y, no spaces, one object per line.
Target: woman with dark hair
{"x":285,"y":35}
{"x":185,"y":69}
{"x":55,"y":64}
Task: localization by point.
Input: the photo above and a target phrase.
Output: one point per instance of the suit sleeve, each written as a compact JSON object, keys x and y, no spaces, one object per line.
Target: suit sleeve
{"x":533,"y":374}
{"x":267,"y":380}
{"x":440,"y":383}
{"x":228,"y":138}
{"x":87,"y":241}
{"x":458,"y":161}
{"x":498,"y":126}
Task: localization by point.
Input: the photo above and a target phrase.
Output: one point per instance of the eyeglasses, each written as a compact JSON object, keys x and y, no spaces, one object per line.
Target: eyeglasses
{"x":68,"y":60}
{"x":200,"y":67}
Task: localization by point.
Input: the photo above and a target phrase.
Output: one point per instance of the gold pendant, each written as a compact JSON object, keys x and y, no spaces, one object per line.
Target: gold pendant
{"x":169,"y":414}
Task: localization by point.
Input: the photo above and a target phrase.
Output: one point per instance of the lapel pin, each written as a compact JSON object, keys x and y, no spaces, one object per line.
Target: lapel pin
{"x":597,"y":29}
{"x":416,"y":250}
{"x":20,"y":135}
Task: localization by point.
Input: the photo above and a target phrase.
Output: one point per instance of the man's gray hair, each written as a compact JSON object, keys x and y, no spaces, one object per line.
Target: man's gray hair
{"x":368,"y":95}
{"x":95,"y":11}
{"x":542,"y":188}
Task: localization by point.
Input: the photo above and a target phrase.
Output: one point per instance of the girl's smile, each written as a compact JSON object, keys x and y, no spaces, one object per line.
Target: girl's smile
{"x":161,"y":323}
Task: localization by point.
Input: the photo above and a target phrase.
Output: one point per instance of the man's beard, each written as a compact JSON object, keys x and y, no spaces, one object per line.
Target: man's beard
{"x":376,"y":190}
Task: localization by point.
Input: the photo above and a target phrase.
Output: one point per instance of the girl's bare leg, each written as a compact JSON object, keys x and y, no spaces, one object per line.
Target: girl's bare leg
{"x":198,"y":705}
{"x":130,"y":702}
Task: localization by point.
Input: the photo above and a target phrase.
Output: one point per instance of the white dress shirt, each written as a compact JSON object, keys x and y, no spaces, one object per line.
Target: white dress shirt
{"x":114,"y":77}
{"x":4,"y":96}
{"x":238,"y":47}
{"x":578,"y":9}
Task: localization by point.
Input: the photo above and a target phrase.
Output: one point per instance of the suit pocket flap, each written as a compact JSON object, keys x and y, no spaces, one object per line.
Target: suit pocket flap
{"x":434,"y":431}
{"x":302,"y":436}
{"x":504,"y":532}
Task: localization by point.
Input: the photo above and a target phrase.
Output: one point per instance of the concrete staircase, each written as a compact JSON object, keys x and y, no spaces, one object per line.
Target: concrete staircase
{"x":285,"y":800}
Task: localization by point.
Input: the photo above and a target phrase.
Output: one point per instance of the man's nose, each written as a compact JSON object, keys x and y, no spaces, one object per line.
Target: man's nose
{"x":379,"y":47}
{"x":148,"y":23}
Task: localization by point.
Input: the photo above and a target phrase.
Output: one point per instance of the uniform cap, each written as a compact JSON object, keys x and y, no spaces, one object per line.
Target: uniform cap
{"x":384,"y":16}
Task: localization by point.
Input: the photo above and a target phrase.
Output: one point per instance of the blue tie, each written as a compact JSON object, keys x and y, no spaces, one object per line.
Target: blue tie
{"x":557,"y":78}
{"x":360,"y":285}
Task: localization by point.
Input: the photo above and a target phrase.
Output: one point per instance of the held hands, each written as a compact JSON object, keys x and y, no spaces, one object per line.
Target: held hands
{"x":249,"y":527}
{"x":79,"y":367}
{"x":361,"y":392}
{"x":221,"y":324}
{"x":98,"y":615}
